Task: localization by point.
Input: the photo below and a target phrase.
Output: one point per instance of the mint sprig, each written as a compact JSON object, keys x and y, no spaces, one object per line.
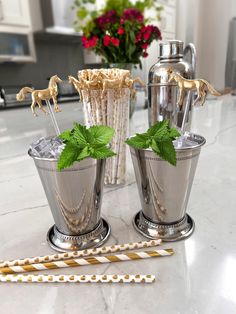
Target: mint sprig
{"x":81,"y":142}
{"x":159,"y":138}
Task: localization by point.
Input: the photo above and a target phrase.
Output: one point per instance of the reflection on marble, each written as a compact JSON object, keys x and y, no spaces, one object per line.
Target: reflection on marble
{"x":199,"y":278}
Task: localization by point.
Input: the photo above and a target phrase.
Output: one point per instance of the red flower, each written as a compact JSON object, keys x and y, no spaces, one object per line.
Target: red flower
{"x":146,"y":35}
{"x":106,"y":40}
{"x":121,"y":31}
{"x":89,"y":43}
{"x":85,"y":42}
{"x":144,"y":46}
{"x":145,"y":54}
{"x":138,"y":37}
{"x":115,"y":41}
{"x":93,"y":41}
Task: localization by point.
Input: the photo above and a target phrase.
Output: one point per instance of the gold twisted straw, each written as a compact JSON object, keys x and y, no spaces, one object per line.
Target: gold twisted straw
{"x":82,"y":253}
{"x":79,"y":278}
{"x":86,"y":261}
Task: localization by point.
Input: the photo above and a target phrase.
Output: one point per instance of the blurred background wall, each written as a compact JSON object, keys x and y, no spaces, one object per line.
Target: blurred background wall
{"x":206,"y":24}
{"x":203,"y":22}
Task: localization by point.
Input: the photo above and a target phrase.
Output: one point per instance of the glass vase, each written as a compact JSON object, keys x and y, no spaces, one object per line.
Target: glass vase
{"x":133,"y":96}
{"x":110,"y":108}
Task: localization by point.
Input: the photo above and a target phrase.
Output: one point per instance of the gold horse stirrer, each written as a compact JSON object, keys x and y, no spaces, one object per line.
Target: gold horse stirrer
{"x":44,"y":95}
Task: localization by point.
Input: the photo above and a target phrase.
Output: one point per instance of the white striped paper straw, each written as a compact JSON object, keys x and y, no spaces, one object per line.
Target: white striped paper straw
{"x":129,"y":256}
{"x":88,"y":252}
{"x":78,"y":278}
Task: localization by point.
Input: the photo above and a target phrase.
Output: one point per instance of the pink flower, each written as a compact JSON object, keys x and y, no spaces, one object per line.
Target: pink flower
{"x":145,"y":54}
{"x":115,"y":41}
{"x":106,"y":40}
{"x":132,"y":14}
{"x":121,"y":31}
{"x":150,"y":30}
{"x":109,"y":17}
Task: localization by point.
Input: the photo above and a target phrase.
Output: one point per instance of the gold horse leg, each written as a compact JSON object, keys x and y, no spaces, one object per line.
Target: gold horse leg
{"x":33,"y":108}
{"x":181,"y":97}
{"x":39,"y":102}
{"x":56,"y":107}
{"x":203,"y":98}
{"x":199,"y":97}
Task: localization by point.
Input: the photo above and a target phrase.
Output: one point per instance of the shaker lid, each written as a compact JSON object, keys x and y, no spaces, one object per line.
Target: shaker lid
{"x":171,"y":49}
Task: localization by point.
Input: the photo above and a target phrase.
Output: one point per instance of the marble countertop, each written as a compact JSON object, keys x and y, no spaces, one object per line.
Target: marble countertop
{"x":199,"y":278}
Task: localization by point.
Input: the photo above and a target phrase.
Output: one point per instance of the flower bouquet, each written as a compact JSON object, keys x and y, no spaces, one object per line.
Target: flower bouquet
{"x":118,"y":32}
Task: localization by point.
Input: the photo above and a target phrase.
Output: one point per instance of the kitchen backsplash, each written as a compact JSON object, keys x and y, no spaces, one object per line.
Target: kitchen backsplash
{"x":55,"y":55}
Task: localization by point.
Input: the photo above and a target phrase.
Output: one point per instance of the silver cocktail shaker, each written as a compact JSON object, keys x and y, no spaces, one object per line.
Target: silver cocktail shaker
{"x":162,"y":94}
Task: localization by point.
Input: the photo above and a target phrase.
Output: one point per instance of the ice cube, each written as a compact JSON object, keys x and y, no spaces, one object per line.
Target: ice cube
{"x":47,"y":147}
{"x":186,"y":140}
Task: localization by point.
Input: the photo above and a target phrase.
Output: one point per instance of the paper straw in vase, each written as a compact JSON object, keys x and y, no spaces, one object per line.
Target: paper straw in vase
{"x":87,"y":261}
{"x":121,"y":165}
{"x":116,"y":138}
{"x":82,"y":253}
{"x":120,"y":126}
{"x":78,"y":278}
{"x":53,"y":118}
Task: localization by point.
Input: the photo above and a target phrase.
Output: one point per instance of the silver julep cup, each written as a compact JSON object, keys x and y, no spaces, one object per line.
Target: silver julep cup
{"x":74,"y":196}
{"x":164,"y":190}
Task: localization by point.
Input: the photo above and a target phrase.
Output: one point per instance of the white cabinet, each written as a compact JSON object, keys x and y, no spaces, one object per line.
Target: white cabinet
{"x":14,"y":12}
{"x":16,"y":37}
{"x":17,"y":46}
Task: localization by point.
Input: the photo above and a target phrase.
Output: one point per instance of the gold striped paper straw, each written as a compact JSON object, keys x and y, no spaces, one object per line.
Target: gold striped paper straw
{"x":79,"y":278}
{"x":87,"y":261}
{"x":82,"y":253}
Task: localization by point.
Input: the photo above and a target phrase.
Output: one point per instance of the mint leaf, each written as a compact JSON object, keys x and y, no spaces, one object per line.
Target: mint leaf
{"x":83,"y":153}
{"x":139,"y":141}
{"x":81,"y":134}
{"x":154,"y":147}
{"x":68,"y":156}
{"x":167,"y":151}
{"x":66,"y":135}
{"x":101,"y":134}
{"x":159,"y":137}
{"x":102,"y":153}
{"x":158,"y":128}
{"x":82,"y":142}
{"x":173,"y":133}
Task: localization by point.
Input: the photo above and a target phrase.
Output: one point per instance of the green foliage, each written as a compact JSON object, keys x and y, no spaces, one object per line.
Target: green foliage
{"x":81,"y":142}
{"x":159,"y":138}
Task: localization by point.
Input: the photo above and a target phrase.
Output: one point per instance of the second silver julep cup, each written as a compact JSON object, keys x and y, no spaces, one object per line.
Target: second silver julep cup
{"x":164,"y":190}
{"x":74,"y":196}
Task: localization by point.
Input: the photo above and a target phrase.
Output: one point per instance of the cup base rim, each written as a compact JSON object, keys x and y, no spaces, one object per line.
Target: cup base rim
{"x":167,"y":232}
{"x":66,"y":243}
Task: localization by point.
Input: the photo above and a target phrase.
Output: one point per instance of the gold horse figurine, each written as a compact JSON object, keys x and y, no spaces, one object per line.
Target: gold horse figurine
{"x":39,"y":95}
{"x":200,"y":85}
{"x":102,"y":81}
{"x":77,"y":84}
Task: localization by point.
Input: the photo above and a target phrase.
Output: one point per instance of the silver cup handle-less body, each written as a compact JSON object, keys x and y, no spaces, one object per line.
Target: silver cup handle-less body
{"x":163,"y":93}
